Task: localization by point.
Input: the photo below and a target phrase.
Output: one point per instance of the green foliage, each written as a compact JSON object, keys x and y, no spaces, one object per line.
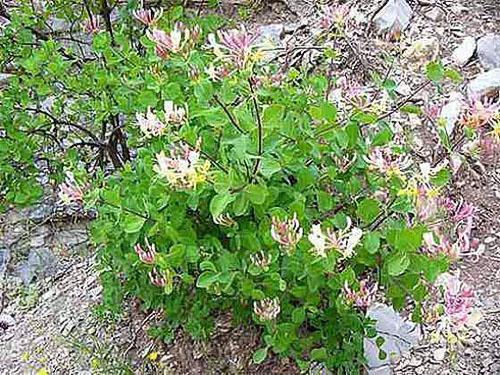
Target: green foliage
{"x":266,"y":153}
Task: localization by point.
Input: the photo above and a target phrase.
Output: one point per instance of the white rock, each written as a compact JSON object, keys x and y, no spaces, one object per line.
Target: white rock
{"x":394,"y":16}
{"x":451,"y":111}
{"x":488,"y":51}
{"x":8,"y":320}
{"x":439,"y":354}
{"x":464,"y":52}
{"x":486,"y":83}
{"x":435,"y":14}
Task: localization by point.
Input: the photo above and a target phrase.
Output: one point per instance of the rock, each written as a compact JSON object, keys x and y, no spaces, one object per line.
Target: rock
{"x":451,"y":111}
{"x":271,"y":33}
{"x":435,"y":14}
{"x":40,"y":213}
{"x":464,"y":52}
{"x":421,"y":51}
{"x":394,"y":17}
{"x":72,"y":237}
{"x":487,"y":83}
{"x":41,"y":262}
{"x":384,"y":370}
{"x":439,"y":354}
{"x":403,"y":89}
{"x":399,"y":336}
{"x":4,"y":259}
{"x":488,"y":51}
{"x":6,"y":321}
{"x":4,"y":79}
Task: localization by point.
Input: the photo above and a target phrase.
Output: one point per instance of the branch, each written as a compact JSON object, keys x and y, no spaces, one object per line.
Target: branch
{"x":260,"y":130}
{"x":232,"y":119}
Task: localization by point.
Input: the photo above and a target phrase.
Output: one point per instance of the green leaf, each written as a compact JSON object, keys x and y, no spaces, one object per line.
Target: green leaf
{"x":435,"y":71}
{"x":368,"y":210}
{"x":319,"y":354}
{"x":257,"y":194}
{"x":382,"y":138}
{"x":411,"y":108}
{"x":441,"y":178}
{"x":325,"y":201}
{"x":371,"y":242}
{"x":273,"y":115}
{"x":207,"y":265}
{"x":132,"y":223}
{"x":298,"y":315}
{"x":147,"y":99}
{"x":269,"y":166}
{"x":398,"y":263}
{"x":219,"y":203}
{"x":325,"y":111}
{"x":259,"y":355}
{"x":454,"y":75}
{"x":206,"y":279}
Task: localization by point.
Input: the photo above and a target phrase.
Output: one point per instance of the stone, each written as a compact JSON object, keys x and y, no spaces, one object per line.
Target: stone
{"x":6,"y":321}
{"x":72,"y":237}
{"x":435,"y":14}
{"x":399,"y":336}
{"x":451,"y":111}
{"x":383,"y":370}
{"x":464,"y":52}
{"x":4,"y":259}
{"x":4,"y":79}
{"x":271,"y":33}
{"x":487,"y":83}
{"x":41,"y":212}
{"x":41,"y":262}
{"x":394,"y":17}
{"x":488,"y":51}
{"x":439,"y":354}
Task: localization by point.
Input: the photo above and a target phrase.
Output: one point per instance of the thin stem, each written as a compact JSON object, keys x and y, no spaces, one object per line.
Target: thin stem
{"x":260,"y":129}
{"x":231,"y":117}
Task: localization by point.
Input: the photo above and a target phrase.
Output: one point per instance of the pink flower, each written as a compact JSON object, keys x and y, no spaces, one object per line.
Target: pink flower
{"x":464,"y":211}
{"x":384,"y":161}
{"x":427,"y":204}
{"x":363,"y":297}
{"x":183,"y":169}
{"x":479,"y":112}
{"x":458,"y":301}
{"x":287,"y":232}
{"x":442,"y":246}
{"x":333,"y":16}
{"x":70,"y":191}
{"x":148,"y":17}
{"x":149,"y":124}
{"x":173,"y":114}
{"x":343,"y":241}
{"x":146,"y":255}
{"x":432,"y":111}
{"x":92,"y":25}
{"x":157,"y":278}
{"x":180,"y":39}
{"x":238,"y":45}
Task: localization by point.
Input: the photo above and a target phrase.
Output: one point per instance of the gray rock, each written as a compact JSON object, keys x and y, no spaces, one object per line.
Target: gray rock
{"x":41,"y":212}
{"x":72,"y":237}
{"x":488,"y":51}
{"x":6,"y":320}
{"x":383,"y":370}
{"x":4,"y":79}
{"x":435,"y":14}
{"x":399,"y":336}
{"x":394,"y":16}
{"x":272,"y":33}
{"x":487,"y":83}
{"x":4,"y":259}
{"x":41,"y":262}
{"x":464,"y":52}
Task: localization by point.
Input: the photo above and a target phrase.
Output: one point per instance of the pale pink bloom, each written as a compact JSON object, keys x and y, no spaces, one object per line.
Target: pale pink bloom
{"x":70,"y":191}
{"x":267,"y":309}
{"x":384,"y":161}
{"x":343,"y":241}
{"x":333,"y":15}
{"x":216,"y":74}
{"x":183,"y":169}
{"x":427,"y":205}
{"x":173,"y":114}
{"x":364,"y":296}
{"x":287,"y":232}
{"x":224,"y":220}
{"x":442,"y":246}
{"x":489,"y":148}
{"x":180,"y":39}
{"x":157,"y":278}
{"x":92,"y":25}
{"x":261,"y":259}
{"x":148,"y":17}
{"x":480,"y":112}
{"x":432,"y":111}
{"x":464,"y":211}
{"x":458,"y":301}
{"x":237,"y":45}
{"x":146,"y":255}
{"x":149,"y":124}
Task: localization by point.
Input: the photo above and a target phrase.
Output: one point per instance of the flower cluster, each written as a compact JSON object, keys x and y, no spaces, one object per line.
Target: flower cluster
{"x":183,"y":169}
{"x":158,"y":278}
{"x":333,"y":15}
{"x":149,"y":124}
{"x":148,"y":17}
{"x":386,"y":162}
{"x":286,"y":232}
{"x":364,"y":296}
{"x":237,"y":46}
{"x":267,"y":309}
{"x":180,"y":39}
{"x":224,"y":220}
{"x":343,"y":241}
{"x":147,"y":255}
{"x":261,"y":259}
{"x":70,"y":191}
{"x":479,"y":112}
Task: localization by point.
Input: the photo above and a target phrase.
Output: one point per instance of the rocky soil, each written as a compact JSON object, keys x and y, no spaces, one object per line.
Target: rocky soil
{"x":49,"y":280}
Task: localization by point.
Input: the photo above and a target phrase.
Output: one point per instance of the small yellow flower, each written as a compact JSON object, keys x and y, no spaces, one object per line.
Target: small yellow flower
{"x":153,"y":356}
{"x":42,"y":371}
{"x":25,"y":357}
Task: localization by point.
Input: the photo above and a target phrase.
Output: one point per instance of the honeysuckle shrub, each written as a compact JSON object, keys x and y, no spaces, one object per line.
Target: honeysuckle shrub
{"x":224,"y":183}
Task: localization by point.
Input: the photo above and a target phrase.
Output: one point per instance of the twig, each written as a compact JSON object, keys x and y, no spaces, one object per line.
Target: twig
{"x":232,"y":119}
{"x":136,"y":333}
{"x":260,"y":130}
